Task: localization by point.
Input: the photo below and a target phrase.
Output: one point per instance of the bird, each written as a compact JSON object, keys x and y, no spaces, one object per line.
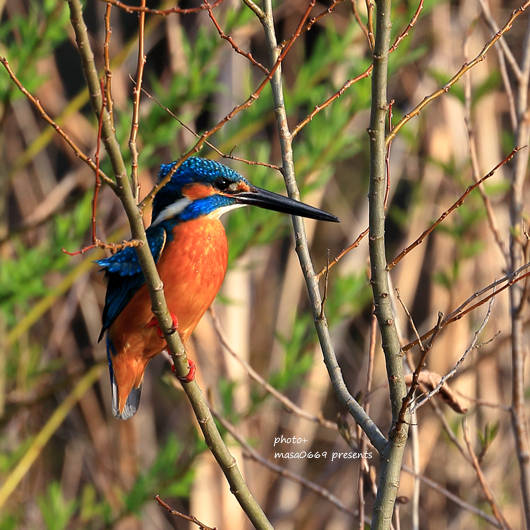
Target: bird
{"x":189,"y":246}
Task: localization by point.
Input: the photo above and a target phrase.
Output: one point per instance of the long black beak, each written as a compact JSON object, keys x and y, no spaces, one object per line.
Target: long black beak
{"x":272,"y":201}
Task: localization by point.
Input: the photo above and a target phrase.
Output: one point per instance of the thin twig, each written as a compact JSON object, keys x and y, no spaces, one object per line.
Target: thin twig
{"x":106,"y":59}
{"x":252,"y":453}
{"x":451,"y":209}
{"x":364,"y":75}
{"x":190,"y":518}
{"x":451,"y":496}
{"x":287,"y":403}
{"x":485,"y":488}
{"x":387,"y":158}
{"x":490,"y":21}
{"x":36,"y":103}
{"x":456,"y":367}
{"x":419,"y":367}
{"x":370,"y":23}
{"x":467,"y":66}
{"x":408,"y":28}
{"x":137,"y":92}
{"x":492,"y":222}
{"x":325,"y":295}
{"x":97,"y":183}
{"x":355,"y":244}
{"x":360,"y":23}
{"x":485,"y":403}
{"x":312,"y":21}
{"x":161,"y":12}
{"x":230,"y":40}
{"x":236,"y":110}
{"x":364,"y":468}
{"x":209,"y":144}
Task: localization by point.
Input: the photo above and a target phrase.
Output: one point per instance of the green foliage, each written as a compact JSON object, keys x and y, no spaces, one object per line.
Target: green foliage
{"x":297,"y":357}
{"x":10,"y":453}
{"x":8,"y":522}
{"x":92,"y":510}
{"x":349,"y":296}
{"x":23,"y":277}
{"x":24,"y":40}
{"x":55,"y":510}
{"x":486,"y":438}
{"x":168,"y":477}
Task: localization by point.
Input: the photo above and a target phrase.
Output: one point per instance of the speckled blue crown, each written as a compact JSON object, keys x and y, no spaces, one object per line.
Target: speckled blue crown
{"x":193,"y":169}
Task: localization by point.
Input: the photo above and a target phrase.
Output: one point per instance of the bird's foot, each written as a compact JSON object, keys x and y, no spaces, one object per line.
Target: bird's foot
{"x":154,"y":322}
{"x":191,"y":374}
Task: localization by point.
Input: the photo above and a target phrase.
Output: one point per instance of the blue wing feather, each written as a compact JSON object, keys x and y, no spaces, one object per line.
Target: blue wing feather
{"x":125,"y":274}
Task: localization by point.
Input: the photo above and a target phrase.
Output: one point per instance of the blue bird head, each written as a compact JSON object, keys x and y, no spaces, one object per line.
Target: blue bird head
{"x":201,"y":187}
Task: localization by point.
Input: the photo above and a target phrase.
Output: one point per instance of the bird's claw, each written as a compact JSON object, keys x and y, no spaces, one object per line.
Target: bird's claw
{"x":191,"y":374}
{"x":159,"y":332}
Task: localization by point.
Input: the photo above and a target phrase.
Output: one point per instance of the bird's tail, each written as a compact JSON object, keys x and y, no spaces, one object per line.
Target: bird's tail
{"x":126,"y":384}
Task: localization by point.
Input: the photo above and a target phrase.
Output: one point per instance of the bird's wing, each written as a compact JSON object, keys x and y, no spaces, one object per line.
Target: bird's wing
{"x":125,"y":275}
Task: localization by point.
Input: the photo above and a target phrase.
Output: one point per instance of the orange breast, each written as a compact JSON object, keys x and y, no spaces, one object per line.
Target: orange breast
{"x":192,"y":267}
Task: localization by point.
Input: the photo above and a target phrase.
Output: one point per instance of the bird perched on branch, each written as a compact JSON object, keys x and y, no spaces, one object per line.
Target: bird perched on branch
{"x":189,"y":246}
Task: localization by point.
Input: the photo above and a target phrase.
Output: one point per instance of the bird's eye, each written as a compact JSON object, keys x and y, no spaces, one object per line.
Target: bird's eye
{"x":223,"y":184}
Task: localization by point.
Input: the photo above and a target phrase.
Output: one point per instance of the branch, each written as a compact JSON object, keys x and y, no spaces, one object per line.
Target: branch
{"x":287,"y":403}
{"x":393,"y":454}
{"x":230,"y":40}
{"x":137,"y":92}
{"x":458,"y":313}
{"x":455,"y":205}
{"x":467,"y":66}
{"x":209,"y":144}
{"x":485,"y":488}
{"x":156,"y":292}
{"x":474,"y":159}
{"x":161,"y":12}
{"x":189,"y":518}
{"x":236,"y":110}
{"x":252,"y":453}
{"x":37,"y":104}
{"x":453,"y":497}
{"x":302,"y":248}
{"x":459,"y":363}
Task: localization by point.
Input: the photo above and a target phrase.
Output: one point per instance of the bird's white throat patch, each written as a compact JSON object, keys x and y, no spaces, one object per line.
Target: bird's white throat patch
{"x":216,"y":214}
{"x":171,"y":211}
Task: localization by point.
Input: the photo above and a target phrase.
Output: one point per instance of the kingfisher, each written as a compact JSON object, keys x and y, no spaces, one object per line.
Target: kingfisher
{"x":189,"y":246}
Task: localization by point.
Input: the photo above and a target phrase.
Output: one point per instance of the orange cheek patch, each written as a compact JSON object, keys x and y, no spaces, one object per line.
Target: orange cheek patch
{"x":197,"y":191}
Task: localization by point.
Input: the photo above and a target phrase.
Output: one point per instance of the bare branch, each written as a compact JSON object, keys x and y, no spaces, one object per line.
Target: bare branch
{"x":288,"y":404}
{"x":455,"y":205}
{"x":455,"y":369}
{"x":37,"y":104}
{"x":485,"y":488}
{"x":161,"y":12}
{"x":467,"y":66}
{"x":315,"y":488}
{"x":189,"y":518}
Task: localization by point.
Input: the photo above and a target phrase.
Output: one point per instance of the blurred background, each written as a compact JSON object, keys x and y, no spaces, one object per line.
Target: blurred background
{"x":65,"y":461}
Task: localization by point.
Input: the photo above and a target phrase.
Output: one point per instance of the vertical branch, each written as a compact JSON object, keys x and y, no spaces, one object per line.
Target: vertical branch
{"x":159,"y":308}
{"x":393,"y":453}
{"x":370,"y":23}
{"x":137,"y":92}
{"x":364,"y":468}
{"x":106,"y":59}
{"x":517,"y":298}
{"x":302,"y":248}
